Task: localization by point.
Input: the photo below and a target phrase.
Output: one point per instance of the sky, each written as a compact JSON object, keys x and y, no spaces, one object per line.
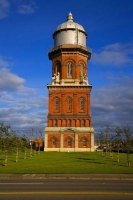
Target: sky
{"x":26,"y":28}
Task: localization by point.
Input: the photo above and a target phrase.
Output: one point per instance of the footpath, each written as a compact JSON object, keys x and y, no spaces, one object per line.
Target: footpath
{"x":68,"y":176}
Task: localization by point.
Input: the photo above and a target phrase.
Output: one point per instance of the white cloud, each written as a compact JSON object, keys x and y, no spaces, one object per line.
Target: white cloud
{"x":113,"y":104}
{"x":114,"y":55}
{"x":10,"y":81}
{"x":25,"y":8}
{"x":20,"y":105}
{"x":24,"y":113}
{"x":5,"y":98}
{"x":4,"y":8}
{"x":3,"y":63}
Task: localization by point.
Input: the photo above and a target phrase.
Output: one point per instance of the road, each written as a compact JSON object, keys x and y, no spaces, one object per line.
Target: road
{"x":72,"y":189}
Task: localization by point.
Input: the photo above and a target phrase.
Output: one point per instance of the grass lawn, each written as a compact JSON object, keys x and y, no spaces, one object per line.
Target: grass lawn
{"x":65,"y":163}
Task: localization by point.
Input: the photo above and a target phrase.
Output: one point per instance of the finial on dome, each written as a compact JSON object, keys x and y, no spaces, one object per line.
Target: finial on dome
{"x":70,"y":17}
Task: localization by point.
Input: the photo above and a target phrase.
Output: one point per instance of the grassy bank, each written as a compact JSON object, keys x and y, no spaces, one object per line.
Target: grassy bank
{"x":65,"y":162}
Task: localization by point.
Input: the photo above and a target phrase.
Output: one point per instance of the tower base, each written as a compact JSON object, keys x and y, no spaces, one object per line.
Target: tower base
{"x":69,"y":139}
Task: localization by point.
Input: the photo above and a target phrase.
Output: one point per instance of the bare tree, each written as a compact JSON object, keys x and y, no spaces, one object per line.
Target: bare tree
{"x":4,"y":136}
{"x":128,"y":142}
{"x":101,"y":139}
{"x":107,"y":138}
{"x":118,"y":140}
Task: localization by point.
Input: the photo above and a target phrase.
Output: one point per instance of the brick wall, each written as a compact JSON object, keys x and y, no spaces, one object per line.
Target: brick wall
{"x":59,"y":113}
{"x":75,"y":115}
{"x":69,"y":136}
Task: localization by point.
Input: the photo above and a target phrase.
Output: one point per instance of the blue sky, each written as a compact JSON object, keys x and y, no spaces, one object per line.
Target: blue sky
{"x":26,"y":28}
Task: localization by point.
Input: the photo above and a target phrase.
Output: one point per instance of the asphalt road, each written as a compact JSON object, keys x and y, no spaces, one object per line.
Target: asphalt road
{"x":71,"y":189}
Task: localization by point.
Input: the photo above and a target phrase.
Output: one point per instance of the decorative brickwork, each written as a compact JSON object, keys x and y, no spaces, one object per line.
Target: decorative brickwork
{"x":69,"y":124}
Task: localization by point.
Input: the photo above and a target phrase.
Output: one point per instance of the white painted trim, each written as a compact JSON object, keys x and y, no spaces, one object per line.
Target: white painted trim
{"x":69,"y":149}
{"x":75,"y":129}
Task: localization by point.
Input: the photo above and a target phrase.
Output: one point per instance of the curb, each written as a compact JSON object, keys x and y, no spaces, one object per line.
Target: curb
{"x":68,"y":176}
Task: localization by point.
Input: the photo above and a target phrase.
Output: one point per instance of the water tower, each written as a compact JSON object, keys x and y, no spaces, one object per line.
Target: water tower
{"x":69,"y":122}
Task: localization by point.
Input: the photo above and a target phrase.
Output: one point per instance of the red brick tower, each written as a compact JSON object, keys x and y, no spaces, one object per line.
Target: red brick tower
{"x":69,"y":125}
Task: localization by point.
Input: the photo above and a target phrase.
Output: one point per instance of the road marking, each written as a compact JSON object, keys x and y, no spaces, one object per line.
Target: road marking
{"x":21,"y":183}
{"x":67,"y":193}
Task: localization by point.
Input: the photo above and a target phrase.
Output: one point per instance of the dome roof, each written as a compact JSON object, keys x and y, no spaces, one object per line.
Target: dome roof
{"x":70,"y":32}
{"x":70,"y":24}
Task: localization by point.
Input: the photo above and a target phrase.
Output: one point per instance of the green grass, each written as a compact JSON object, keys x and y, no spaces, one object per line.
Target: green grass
{"x":65,"y":163}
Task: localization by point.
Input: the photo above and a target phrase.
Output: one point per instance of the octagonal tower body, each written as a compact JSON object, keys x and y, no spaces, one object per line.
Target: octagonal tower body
{"x":69,"y":125}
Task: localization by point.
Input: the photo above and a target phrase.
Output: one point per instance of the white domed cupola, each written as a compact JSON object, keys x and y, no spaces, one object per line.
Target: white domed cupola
{"x":70,"y":32}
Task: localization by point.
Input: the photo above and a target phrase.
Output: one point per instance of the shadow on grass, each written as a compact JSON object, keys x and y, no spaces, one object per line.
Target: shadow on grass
{"x":90,"y":160}
{"x":115,"y":163}
{"x":85,"y":159}
{"x":2,"y":163}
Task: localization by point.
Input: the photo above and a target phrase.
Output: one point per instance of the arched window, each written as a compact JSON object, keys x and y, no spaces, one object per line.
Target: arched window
{"x":69,"y":142}
{"x":54,"y":142}
{"x":84,"y":142}
{"x":56,"y":103}
{"x":81,"y":70}
{"x":82,"y":104}
{"x":69,"y":69}
{"x":69,"y":105}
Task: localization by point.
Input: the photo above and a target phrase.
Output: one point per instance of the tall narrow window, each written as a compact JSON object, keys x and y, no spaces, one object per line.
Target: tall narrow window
{"x":56,"y":104}
{"x":81,"y":104}
{"x":69,"y":69}
{"x":81,"y":70}
{"x":69,"y":101}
